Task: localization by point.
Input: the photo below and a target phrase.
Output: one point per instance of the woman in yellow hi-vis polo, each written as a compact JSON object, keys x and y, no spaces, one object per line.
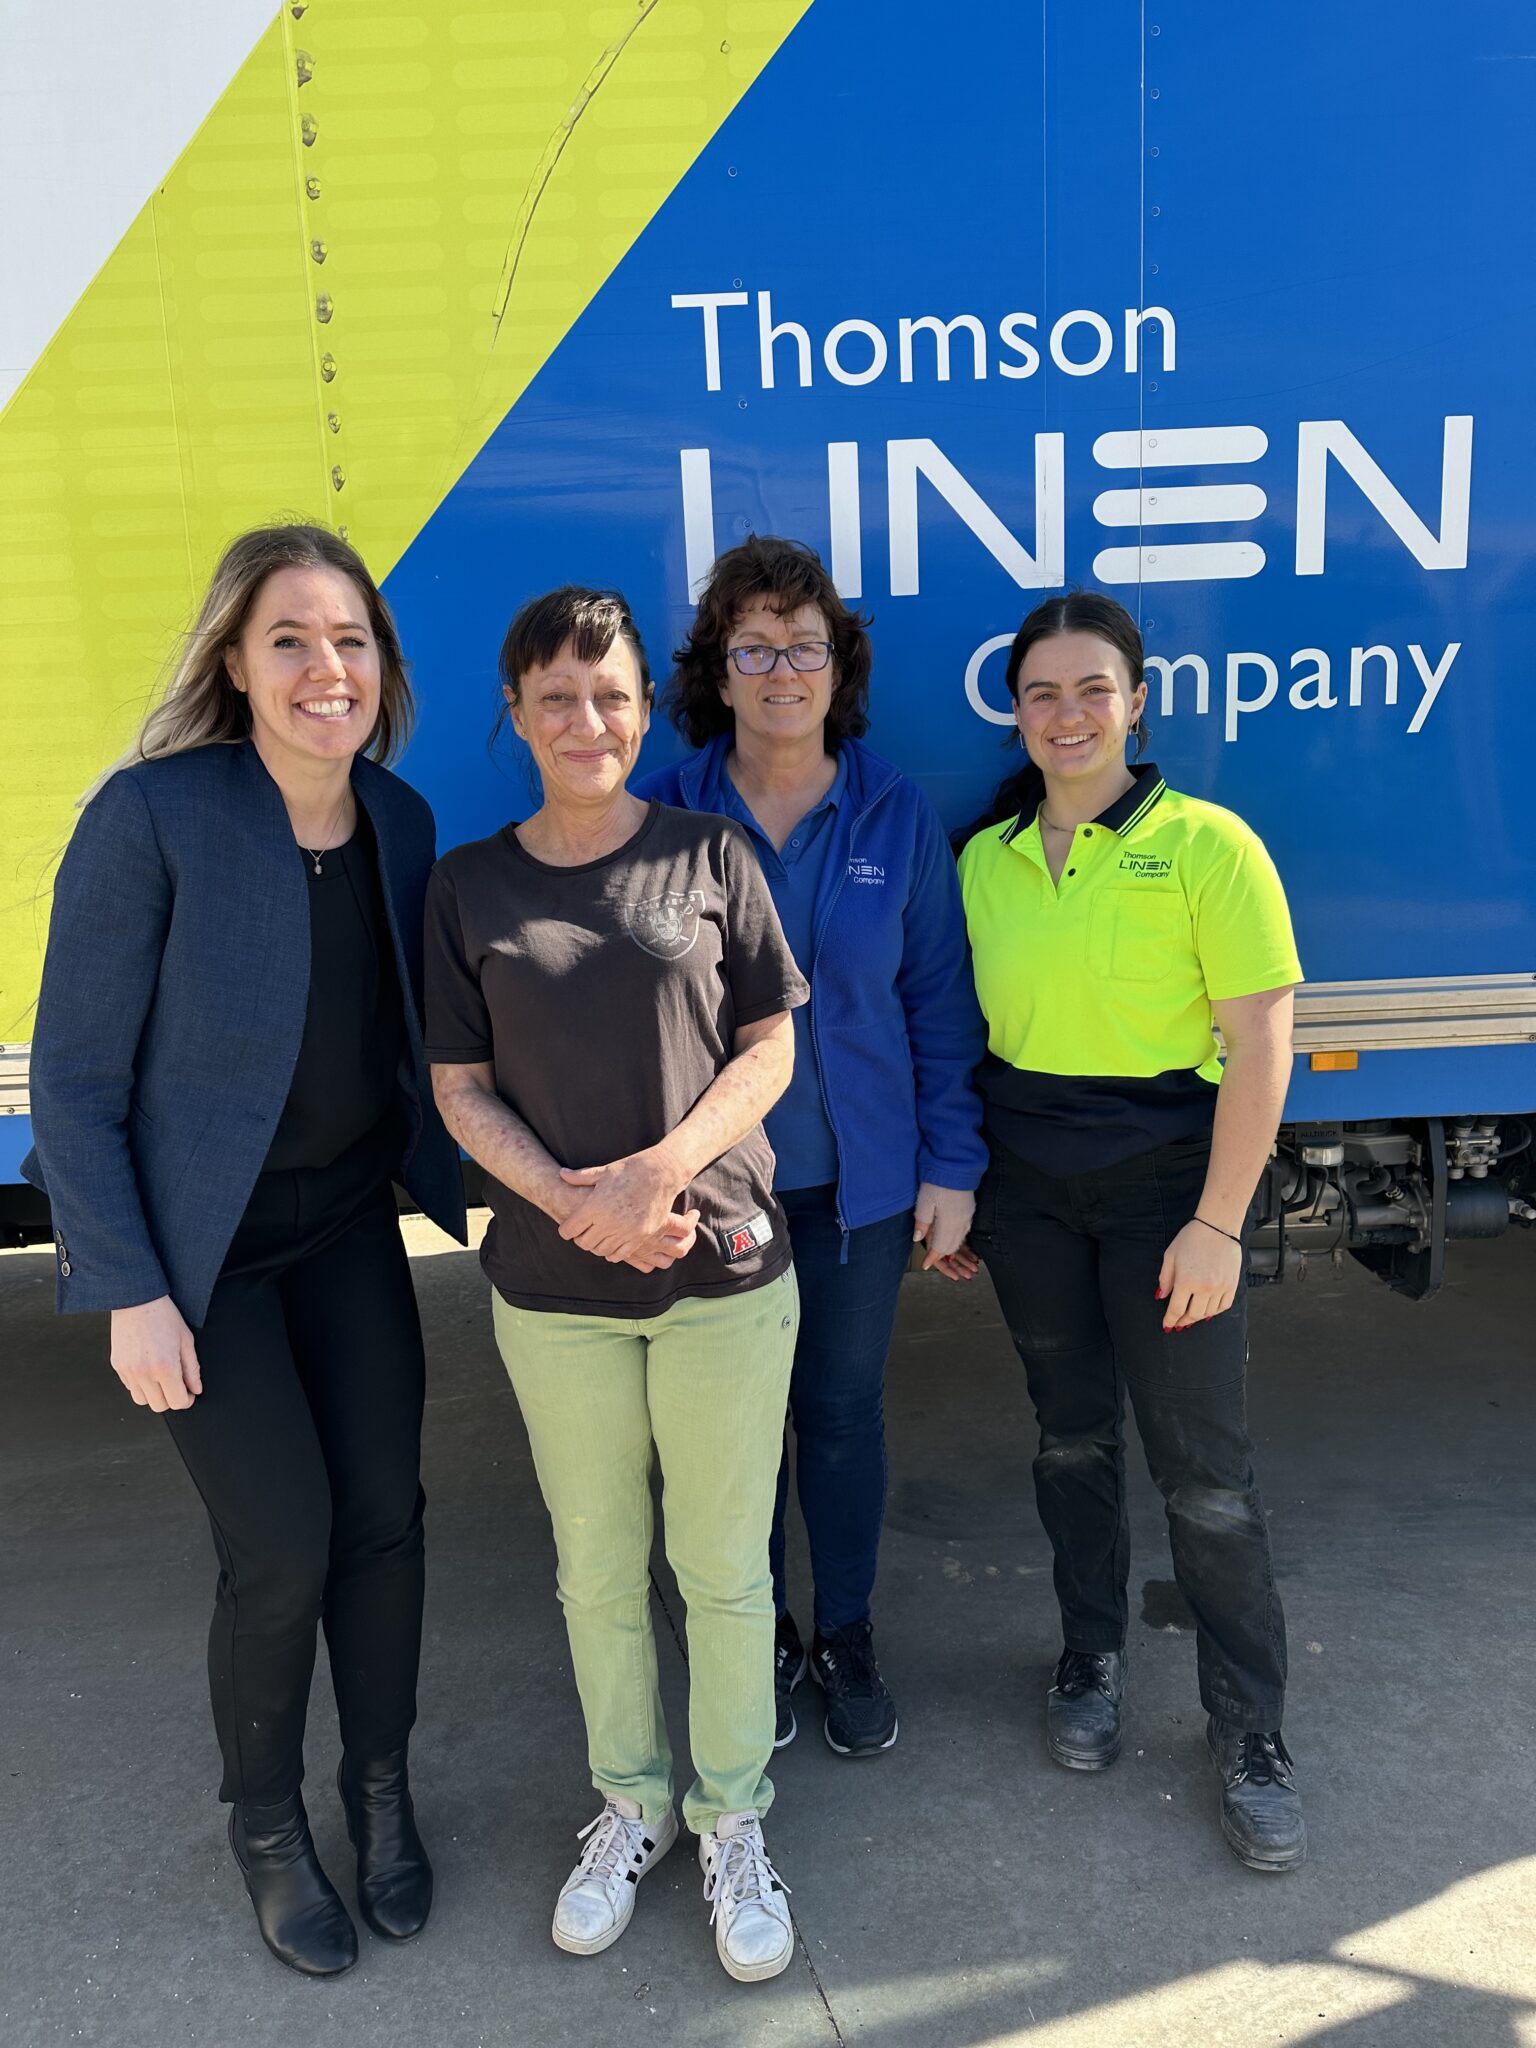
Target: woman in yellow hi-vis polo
{"x":1114,"y":923}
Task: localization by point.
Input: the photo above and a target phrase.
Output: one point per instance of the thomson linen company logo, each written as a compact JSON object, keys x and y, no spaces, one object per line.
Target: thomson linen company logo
{"x":866,"y":871}
{"x":1148,"y":865}
{"x":665,"y":925}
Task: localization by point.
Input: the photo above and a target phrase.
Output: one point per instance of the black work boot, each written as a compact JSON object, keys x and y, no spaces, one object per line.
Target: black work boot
{"x":301,"y":1918}
{"x":394,"y":1878}
{"x":1260,"y":1807}
{"x":789,"y":1667}
{"x":861,"y":1715}
{"x":1082,"y":1709}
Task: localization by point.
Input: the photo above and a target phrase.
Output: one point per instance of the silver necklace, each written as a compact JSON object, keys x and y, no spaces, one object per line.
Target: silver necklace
{"x":315,"y":852}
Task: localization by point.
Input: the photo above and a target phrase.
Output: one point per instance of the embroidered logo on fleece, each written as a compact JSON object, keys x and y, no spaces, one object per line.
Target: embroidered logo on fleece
{"x":741,"y":1240}
{"x":1148,"y":865}
{"x":665,"y":925}
{"x":866,"y":871}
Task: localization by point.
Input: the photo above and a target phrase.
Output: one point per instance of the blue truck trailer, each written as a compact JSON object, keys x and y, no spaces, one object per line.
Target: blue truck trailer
{"x":1226,"y":311}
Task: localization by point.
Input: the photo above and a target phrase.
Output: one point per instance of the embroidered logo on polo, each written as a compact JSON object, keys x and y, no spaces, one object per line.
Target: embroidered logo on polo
{"x":665,"y":925}
{"x":740,"y":1240}
{"x":1148,"y":865}
{"x":866,"y":871}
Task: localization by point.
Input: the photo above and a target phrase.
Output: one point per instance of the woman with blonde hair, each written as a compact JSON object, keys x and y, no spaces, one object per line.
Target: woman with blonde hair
{"x":227,"y":1077}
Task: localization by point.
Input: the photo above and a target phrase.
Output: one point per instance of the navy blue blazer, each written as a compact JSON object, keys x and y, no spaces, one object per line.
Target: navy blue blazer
{"x":172,"y":1008}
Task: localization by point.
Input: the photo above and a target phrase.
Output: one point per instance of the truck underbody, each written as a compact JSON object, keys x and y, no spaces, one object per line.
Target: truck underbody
{"x":1392,"y":1195}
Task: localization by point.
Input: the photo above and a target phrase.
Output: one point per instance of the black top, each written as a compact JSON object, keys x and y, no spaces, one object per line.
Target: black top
{"x":607,"y":997}
{"x":346,"y":1082}
{"x":1084,"y":1123}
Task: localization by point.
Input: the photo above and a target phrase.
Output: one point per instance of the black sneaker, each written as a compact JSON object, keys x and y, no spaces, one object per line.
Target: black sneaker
{"x":1260,"y":1807}
{"x":861,"y":1715}
{"x":789,"y":1667}
{"x":1082,"y":1709}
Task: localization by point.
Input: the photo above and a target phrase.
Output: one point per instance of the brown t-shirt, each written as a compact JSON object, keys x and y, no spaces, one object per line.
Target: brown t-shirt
{"x":607,"y":997}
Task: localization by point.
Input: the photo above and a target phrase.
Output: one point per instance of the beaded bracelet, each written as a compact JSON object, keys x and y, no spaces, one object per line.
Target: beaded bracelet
{"x":1220,"y":1232}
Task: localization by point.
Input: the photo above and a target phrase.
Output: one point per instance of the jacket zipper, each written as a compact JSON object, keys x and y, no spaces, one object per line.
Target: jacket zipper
{"x":824,"y":918}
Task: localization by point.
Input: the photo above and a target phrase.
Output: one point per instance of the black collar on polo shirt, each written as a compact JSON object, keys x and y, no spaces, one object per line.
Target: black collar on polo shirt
{"x":1127,"y":810}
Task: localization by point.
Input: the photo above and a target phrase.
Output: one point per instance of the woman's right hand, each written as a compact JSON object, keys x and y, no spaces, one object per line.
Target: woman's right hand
{"x":154,"y":1356}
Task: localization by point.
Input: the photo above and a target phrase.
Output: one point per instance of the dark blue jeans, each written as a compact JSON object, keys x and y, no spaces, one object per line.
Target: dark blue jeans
{"x":837,"y":1398}
{"x":1075,"y":1264}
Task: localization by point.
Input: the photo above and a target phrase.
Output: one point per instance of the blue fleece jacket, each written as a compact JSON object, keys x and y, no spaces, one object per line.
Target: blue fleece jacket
{"x":894,"y":1017}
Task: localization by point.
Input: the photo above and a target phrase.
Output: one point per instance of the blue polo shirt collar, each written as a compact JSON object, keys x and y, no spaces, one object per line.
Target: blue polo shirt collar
{"x":736,"y":807}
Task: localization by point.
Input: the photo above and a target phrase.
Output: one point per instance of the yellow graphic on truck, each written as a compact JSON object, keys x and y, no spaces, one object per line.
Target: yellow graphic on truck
{"x":382,"y":230}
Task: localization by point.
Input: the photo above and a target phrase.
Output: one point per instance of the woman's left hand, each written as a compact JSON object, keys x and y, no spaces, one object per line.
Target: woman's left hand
{"x":940,"y":1220}
{"x":1200,"y":1276}
{"x":627,"y":1203}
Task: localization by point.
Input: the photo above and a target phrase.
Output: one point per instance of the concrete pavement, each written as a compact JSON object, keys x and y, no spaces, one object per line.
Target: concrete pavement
{"x":960,"y":1891}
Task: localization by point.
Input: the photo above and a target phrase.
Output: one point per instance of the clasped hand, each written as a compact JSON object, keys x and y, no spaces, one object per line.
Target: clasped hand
{"x":941,"y":1218}
{"x":622,"y":1212}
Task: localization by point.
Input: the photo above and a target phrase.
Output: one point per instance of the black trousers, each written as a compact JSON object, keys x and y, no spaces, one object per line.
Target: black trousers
{"x":1075,"y":1264}
{"x":305,"y":1445}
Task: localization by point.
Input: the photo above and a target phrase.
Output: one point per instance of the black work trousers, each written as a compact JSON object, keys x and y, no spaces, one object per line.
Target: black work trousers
{"x":305,"y":1446}
{"x":1075,"y":1263}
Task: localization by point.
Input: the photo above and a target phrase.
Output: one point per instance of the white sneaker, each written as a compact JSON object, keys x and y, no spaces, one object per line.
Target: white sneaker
{"x":598,"y":1897}
{"x":754,"y":1937}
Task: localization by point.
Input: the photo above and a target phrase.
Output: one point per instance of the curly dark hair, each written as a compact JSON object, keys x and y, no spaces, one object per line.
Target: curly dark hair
{"x":786,"y":575}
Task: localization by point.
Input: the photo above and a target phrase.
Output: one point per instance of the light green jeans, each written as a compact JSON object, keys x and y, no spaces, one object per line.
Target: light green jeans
{"x":704,"y":1386}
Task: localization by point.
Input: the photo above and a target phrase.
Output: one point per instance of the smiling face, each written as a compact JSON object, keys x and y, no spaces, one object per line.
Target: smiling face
{"x":308,"y":664}
{"x":785,"y":704}
{"x":1075,"y":706}
{"x":583,"y":722}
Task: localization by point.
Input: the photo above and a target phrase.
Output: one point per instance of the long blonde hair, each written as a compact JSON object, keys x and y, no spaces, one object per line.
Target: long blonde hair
{"x":201,"y":707}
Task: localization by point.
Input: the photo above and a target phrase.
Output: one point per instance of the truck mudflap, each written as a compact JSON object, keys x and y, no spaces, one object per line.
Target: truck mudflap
{"x":1391,"y":1195}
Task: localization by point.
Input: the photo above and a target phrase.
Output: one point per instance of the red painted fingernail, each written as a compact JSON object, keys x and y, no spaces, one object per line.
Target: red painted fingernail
{"x":1159,"y":1294}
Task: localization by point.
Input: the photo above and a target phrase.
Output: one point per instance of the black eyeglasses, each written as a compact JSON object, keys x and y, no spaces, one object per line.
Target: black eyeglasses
{"x":805,"y":658}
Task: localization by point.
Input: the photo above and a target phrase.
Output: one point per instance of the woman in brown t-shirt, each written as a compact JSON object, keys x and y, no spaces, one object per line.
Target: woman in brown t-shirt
{"x":608,"y":998}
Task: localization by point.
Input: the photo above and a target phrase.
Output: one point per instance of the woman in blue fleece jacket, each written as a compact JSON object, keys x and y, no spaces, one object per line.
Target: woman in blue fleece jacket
{"x":878,"y":1139}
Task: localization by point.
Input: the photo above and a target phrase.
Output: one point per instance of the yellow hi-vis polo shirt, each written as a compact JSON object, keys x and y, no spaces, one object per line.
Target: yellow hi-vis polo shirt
{"x":1097,"y":989}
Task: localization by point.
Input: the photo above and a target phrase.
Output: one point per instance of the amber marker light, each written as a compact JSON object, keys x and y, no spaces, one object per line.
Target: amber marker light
{"x":1334,"y":1062}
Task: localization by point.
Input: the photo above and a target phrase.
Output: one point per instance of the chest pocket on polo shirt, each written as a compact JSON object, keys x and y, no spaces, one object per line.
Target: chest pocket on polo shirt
{"x":1138,"y":934}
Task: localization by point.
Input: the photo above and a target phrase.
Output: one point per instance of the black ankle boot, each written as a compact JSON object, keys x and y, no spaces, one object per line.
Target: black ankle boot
{"x":1082,"y":1709}
{"x":1260,"y":1807}
{"x":301,"y":1918}
{"x":394,"y":1878}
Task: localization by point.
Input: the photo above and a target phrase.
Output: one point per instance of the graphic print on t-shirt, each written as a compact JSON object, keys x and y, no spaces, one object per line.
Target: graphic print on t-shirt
{"x":665,"y":925}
